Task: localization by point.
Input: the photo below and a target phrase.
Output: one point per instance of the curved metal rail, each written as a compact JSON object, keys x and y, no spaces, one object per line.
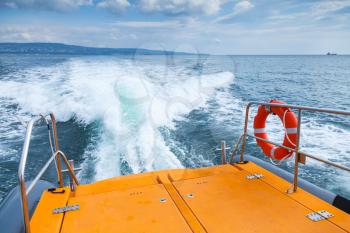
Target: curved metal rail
{"x":300,"y":156}
{"x":56,"y":156}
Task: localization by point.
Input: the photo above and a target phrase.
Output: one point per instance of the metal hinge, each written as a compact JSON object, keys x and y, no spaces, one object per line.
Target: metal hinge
{"x":65,"y":209}
{"x":254,"y":176}
{"x":319,"y":215}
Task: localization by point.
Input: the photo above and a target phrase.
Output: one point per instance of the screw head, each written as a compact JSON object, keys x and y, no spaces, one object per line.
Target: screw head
{"x":162,"y":199}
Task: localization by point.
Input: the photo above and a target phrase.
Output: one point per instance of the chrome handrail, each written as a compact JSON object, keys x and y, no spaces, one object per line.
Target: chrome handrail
{"x":301,"y":153}
{"x":296,"y":150}
{"x":22,"y":165}
{"x":235,"y":148}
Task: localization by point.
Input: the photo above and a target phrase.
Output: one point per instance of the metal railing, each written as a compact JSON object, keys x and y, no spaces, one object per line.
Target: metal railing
{"x":300,"y":156}
{"x":56,"y":156}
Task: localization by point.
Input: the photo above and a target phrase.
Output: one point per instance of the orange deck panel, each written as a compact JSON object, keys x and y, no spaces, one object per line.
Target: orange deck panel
{"x":214,"y":199}
{"x":43,"y":219}
{"x":133,"y":210}
{"x":231,"y":203}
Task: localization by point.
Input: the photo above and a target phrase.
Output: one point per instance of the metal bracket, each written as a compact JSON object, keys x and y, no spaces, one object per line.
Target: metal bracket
{"x":290,"y":190}
{"x":319,"y":215}
{"x":301,"y":158}
{"x":66,"y":209}
{"x":75,"y":169}
{"x":268,"y":108}
{"x":255,"y":176}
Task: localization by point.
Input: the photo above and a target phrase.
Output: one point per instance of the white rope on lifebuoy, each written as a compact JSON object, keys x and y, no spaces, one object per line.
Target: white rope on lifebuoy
{"x":291,"y":130}
{"x":287,"y":131}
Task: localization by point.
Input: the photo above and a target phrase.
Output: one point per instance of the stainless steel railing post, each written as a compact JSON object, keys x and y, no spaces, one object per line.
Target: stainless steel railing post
{"x":70,"y":170}
{"x":223,"y":152}
{"x":71,"y":182}
{"x":235,"y":148}
{"x":58,"y":159}
{"x":21,"y":179}
{"x":245,"y":131}
{"x":296,"y":163}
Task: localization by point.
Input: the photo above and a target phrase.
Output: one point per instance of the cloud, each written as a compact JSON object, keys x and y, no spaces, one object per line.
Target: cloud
{"x":312,"y":12}
{"x":114,"y":5}
{"x":326,"y":7}
{"x":239,"y":8}
{"x":295,"y":28}
{"x":148,"y":24}
{"x":207,"y":7}
{"x":203,"y":36}
{"x":25,"y":34}
{"x":52,"y":5}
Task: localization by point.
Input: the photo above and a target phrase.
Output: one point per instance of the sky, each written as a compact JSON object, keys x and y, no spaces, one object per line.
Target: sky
{"x":198,"y":26}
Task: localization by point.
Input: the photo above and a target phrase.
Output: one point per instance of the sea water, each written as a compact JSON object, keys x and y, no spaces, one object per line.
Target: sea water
{"x":119,"y":115}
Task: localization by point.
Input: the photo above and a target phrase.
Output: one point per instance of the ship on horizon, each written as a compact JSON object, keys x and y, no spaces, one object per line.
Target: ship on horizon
{"x":331,"y":54}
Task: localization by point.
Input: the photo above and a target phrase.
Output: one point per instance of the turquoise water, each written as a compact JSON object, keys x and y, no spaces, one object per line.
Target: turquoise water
{"x":119,"y":115}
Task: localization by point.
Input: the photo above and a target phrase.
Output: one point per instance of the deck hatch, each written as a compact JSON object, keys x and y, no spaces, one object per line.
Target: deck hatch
{"x":150,"y":210}
{"x":319,"y":215}
{"x":256,"y":205}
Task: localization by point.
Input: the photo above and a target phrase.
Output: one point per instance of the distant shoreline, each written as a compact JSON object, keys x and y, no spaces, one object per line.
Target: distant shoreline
{"x":65,"y":49}
{"x":59,"y":48}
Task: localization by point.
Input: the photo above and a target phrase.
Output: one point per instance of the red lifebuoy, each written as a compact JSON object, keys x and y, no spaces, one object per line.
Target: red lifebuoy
{"x":290,"y":123}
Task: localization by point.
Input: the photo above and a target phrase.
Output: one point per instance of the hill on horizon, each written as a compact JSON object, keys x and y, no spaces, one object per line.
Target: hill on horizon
{"x":60,"y":48}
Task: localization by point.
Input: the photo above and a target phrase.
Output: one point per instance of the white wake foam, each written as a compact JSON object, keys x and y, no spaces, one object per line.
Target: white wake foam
{"x":129,"y":102}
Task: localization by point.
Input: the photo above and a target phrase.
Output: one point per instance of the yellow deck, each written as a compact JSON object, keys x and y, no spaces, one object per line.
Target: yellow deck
{"x":215,"y":199}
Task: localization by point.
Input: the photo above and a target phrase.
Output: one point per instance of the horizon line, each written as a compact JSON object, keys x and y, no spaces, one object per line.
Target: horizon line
{"x":184,"y":53}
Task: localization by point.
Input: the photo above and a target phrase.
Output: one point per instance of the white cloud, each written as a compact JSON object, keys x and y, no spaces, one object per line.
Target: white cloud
{"x":207,"y":7}
{"x":243,"y":6}
{"x":290,"y":29}
{"x":25,"y":34}
{"x":114,"y":5}
{"x":325,"y":7}
{"x":147,"y":24}
{"x":54,"y":5}
{"x":313,"y":12}
{"x":239,"y":8}
{"x":203,"y":36}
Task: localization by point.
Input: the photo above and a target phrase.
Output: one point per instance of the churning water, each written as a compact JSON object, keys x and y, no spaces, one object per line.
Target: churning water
{"x":119,"y":115}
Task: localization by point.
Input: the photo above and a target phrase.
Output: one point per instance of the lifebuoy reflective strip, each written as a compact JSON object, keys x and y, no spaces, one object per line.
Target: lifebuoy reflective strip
{"x":288,"y":130}
{"x":259,"y":130}
{"x":272,"y":152}
{"x":292,"y":130}
{"x":290,"y":122}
